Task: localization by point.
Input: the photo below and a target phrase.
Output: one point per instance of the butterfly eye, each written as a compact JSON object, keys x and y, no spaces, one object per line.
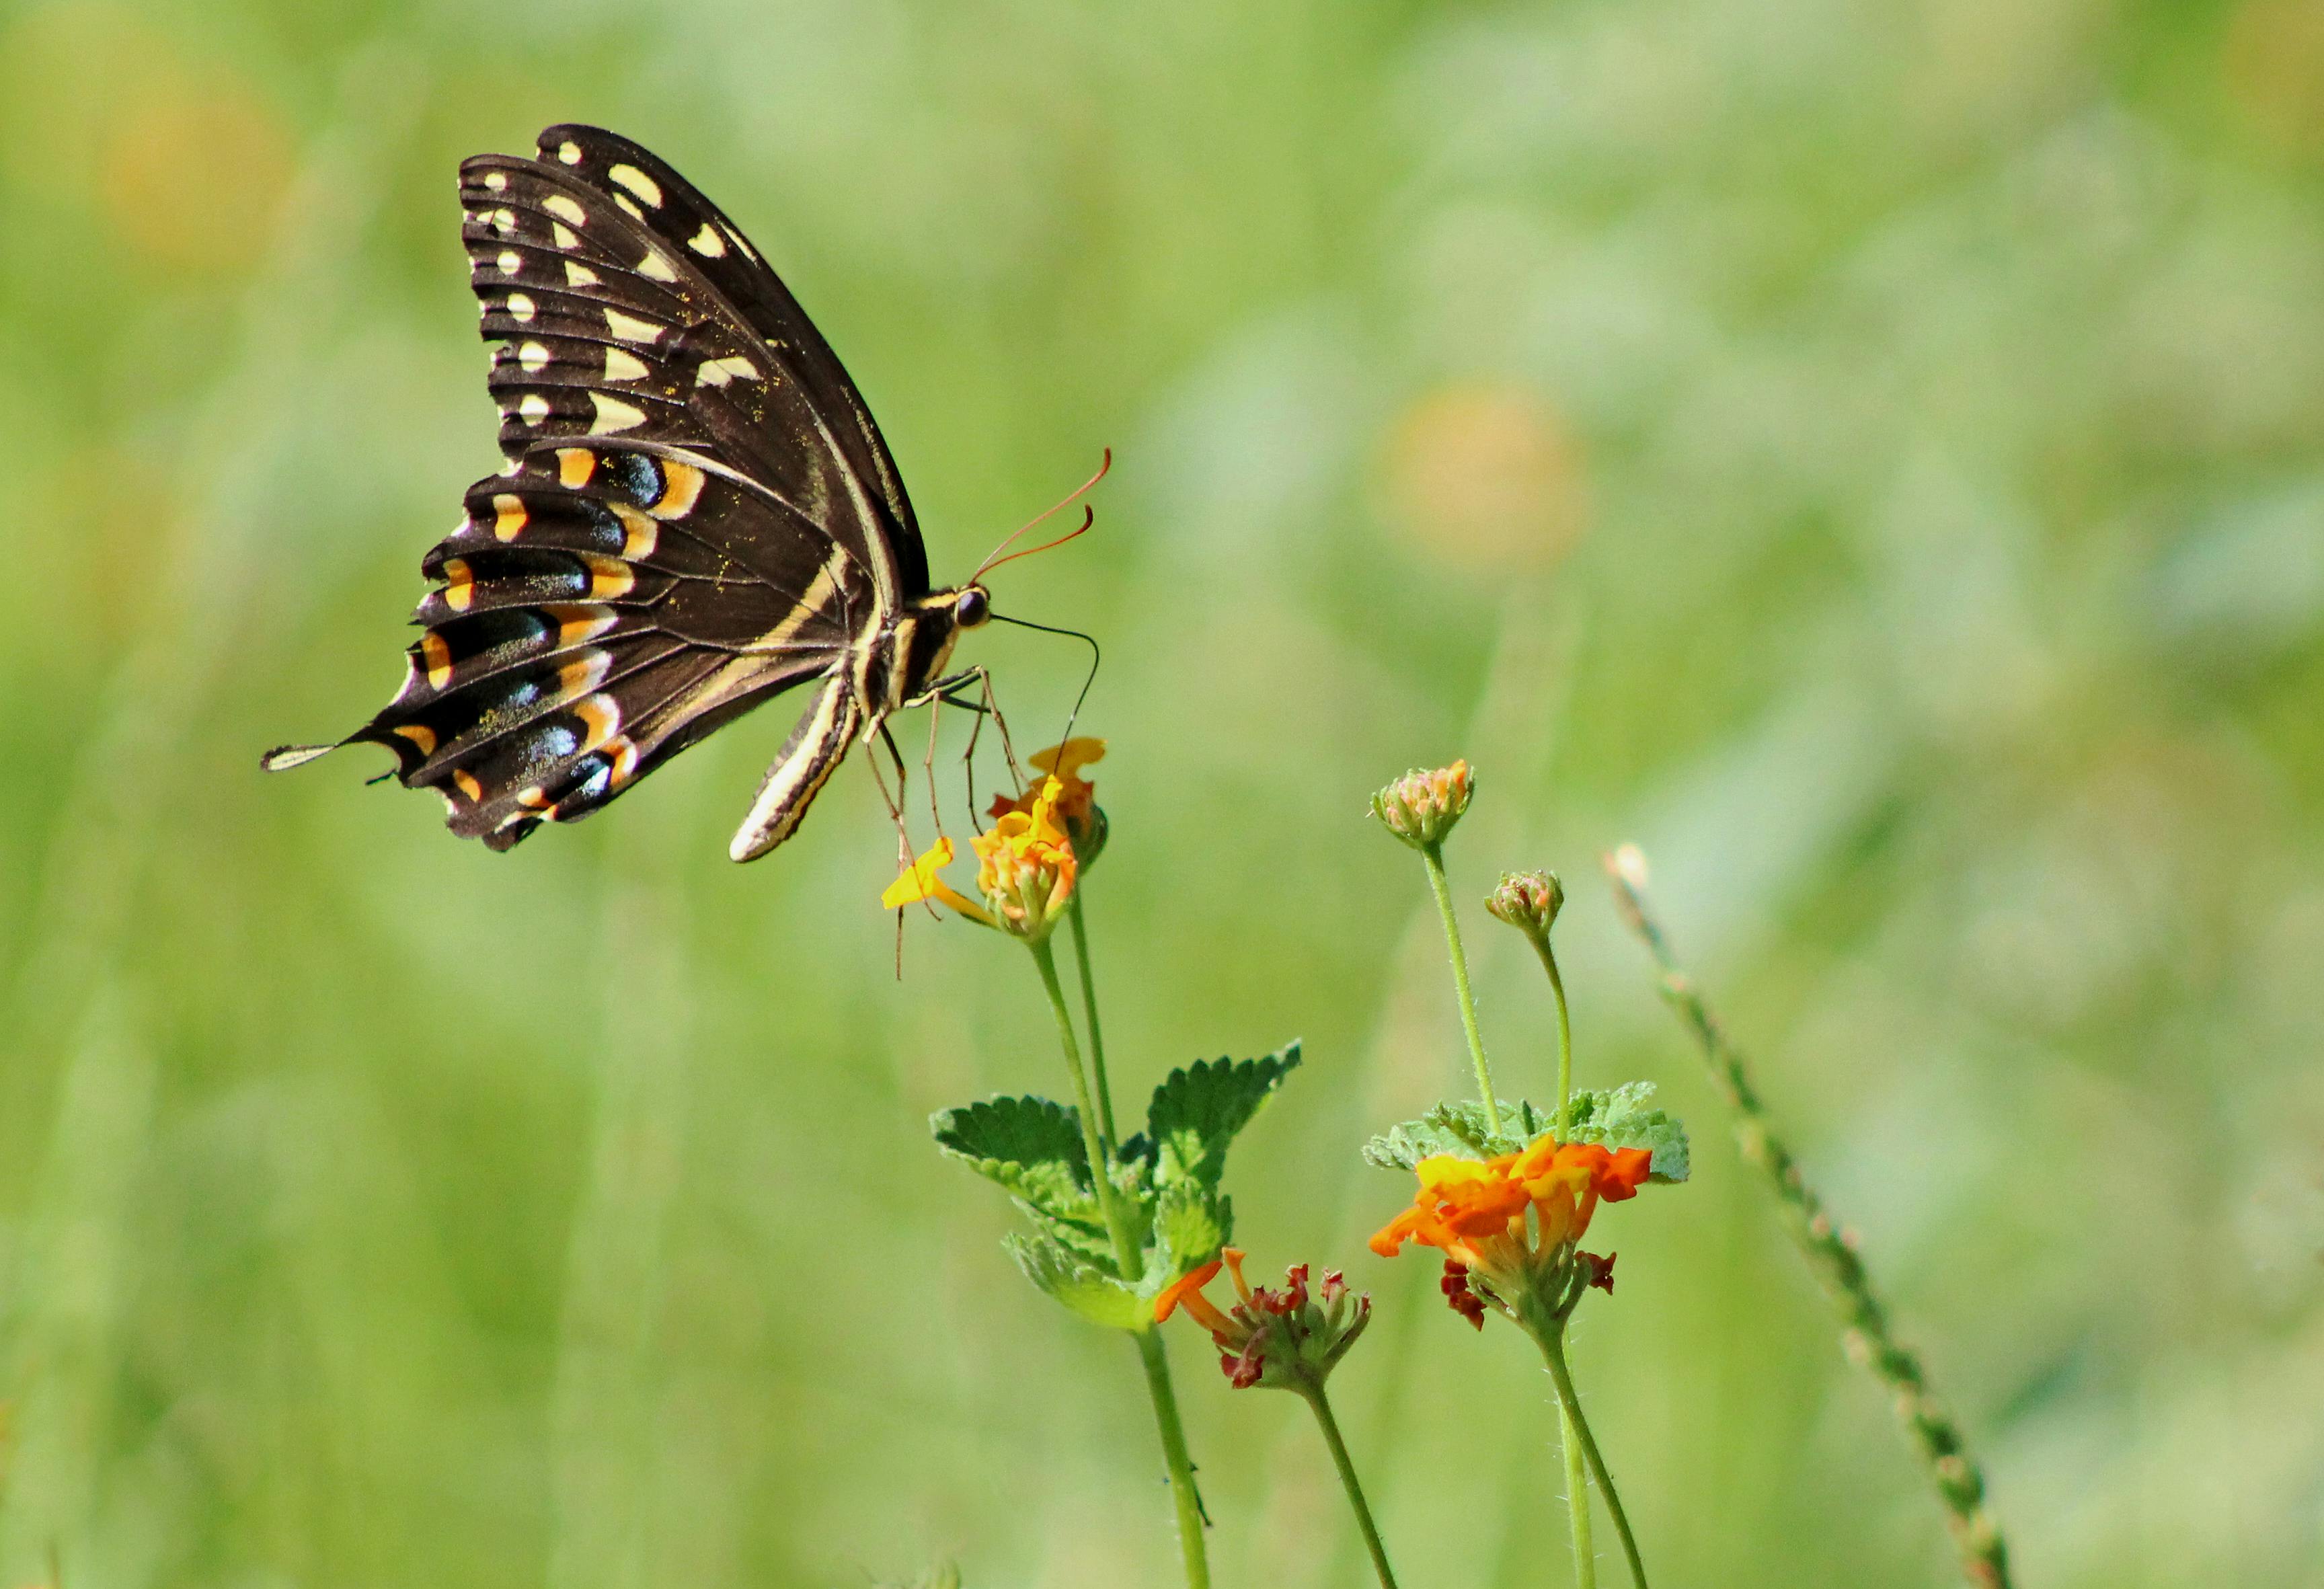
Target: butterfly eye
{"x":973,"y":608}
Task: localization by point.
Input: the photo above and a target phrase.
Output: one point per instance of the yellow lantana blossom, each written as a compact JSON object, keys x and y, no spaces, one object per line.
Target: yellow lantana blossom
{"x":922,"y":881}
{"x":1476,"y":1213}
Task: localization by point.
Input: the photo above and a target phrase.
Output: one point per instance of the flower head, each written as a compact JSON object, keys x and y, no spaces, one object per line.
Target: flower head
{"x":1288,"y":1339}
{"x":1026,"y":866}
{"x":1513,"y":1221}
{"x":1527,"y":900}
{"x":1421,"y":806}
{"x":1072,"y":796}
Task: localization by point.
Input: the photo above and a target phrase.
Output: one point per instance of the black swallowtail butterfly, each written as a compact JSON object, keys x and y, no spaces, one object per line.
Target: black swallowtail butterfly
{"x":697,"y":515}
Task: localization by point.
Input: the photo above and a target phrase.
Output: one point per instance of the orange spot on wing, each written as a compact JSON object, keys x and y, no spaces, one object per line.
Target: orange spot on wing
{"x":574,"y":465}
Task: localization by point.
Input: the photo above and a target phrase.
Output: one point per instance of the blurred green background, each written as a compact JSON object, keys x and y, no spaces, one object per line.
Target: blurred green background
{"x":1866,"y":453}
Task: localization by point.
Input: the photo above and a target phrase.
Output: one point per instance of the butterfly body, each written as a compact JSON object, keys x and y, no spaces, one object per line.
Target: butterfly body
{"x":697,"y":514}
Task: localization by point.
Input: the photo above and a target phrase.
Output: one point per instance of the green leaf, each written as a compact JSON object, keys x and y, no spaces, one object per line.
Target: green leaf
{"x":1619,"y":1117}
{"x":1191,"y":1223}
{"x":1089,"y":1290}
{"x":1033,"y":1148}
{"x":1197,"y":1111}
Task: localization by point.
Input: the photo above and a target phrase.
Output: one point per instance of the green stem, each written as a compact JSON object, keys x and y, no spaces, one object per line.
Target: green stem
{"x":1831,"y":1255}
{"x":1564,"y":1029}
{"x":1552,"y":1348}
{"x":1100,"y":1162}
{"x":1331,"y":1427}
{"x":1175,"y":1457}
{"x":1089,"y":1013}
{"x":1191,"y":1547}
{"x":1434,"y":856}
{"x":1577,"y":1503}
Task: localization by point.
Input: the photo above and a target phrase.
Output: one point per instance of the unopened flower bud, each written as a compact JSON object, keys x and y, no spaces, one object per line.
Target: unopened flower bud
{"x":1528,"y":901}
{"x":1421,"y":806}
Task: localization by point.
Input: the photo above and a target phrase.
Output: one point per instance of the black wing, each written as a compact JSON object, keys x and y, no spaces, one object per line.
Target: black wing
{"x":696,"y":230}
{"x":679,"y":535}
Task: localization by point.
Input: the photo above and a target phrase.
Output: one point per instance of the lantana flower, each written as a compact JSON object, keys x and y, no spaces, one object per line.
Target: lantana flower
{"x":1285,"y":1339}
{"x":1514,"y":1221}
{"x":1026,"y":868}
{"x":1074,"y":800}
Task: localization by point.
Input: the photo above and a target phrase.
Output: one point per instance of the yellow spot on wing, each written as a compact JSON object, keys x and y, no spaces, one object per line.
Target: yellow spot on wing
{"x":625,"y":751}
{"x":576,"y":626}
{"x":640,"y":533}
{"x":638,"y":182}
{"x":628,"y":206}
{"x":468,"y":785}
{"x":583,"y":674}
{"x":629,"y":328}
{"x":601,"y":716}
{"x":521,"y":308}
{"x":717,"y":371}
{"x":460,"y":588}
{"x":708,"y":242}
{"x":438,"y":656}
{"x":562,"y":235}
{"x":609,"y":577}
{"x":533,"y":407}
{"x":681,"y":489}
{"x":421,"y":735}
{"x":613,"y":414}
{"x":574,"y":465}
{"x":496,"y":181}
{"x":507,"y":516}
{"x":578,"y":274}
{"x":569,"y":153}
{"x":621,"y":365}
{"x":532,"y":355}
{"x":654,"y":267}
{"x":565,"y":209}
{"x":509,"y":261}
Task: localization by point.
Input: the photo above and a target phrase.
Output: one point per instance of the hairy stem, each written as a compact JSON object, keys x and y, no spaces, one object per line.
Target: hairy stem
{"x":1191,"y":1549}
{"x":1316,"y":1399}
{"x":1553,"y":1349}
{"x":1564,"y":1029}
{"x":1831,"y":1253}
{"x":1089,"y":1013}
{"x":1191,"y":1545}
{"x":1434,"y":856}
{"x":1577,"y":1503}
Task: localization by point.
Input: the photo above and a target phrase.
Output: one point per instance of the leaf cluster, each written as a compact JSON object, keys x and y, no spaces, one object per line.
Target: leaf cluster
{"x":1165,"y":1180}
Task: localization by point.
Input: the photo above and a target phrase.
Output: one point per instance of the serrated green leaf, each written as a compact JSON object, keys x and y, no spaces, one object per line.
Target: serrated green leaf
{"x":1197,"y":1111}
{"x":1191,"y":1223}
{"x":1619,"y":1117}
{"x":1093,"y":1292}
{"x":1033,"y":1148}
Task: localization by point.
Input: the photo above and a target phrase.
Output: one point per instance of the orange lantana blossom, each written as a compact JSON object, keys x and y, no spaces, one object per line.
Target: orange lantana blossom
{"x":1026,"y":864}
{"x":1513,"y":1222}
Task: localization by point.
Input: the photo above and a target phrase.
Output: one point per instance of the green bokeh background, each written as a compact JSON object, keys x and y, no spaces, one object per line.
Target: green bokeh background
{"x":1866,"y":453}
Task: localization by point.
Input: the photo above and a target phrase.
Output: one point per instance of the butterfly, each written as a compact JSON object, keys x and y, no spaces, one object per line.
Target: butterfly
{"x":697,"y":513}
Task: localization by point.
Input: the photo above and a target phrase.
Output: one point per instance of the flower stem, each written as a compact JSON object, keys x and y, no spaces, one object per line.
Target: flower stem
{"x":1434,"y":856}
{"x":1831,"y":1255}
{"x":1552,"y":1348}
{"x":1577,"y":1503}
{"x":1089,"y":1013}
{"x":1100,"y":1162}
{"x":1316,"y":1399}
{"x":1191,"y":1547}
{"x":1564,"y":1029}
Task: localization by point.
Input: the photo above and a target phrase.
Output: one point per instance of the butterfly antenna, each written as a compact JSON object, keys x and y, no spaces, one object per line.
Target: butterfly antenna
{"x":1096,"y":656}
{"x":996,"y":560}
